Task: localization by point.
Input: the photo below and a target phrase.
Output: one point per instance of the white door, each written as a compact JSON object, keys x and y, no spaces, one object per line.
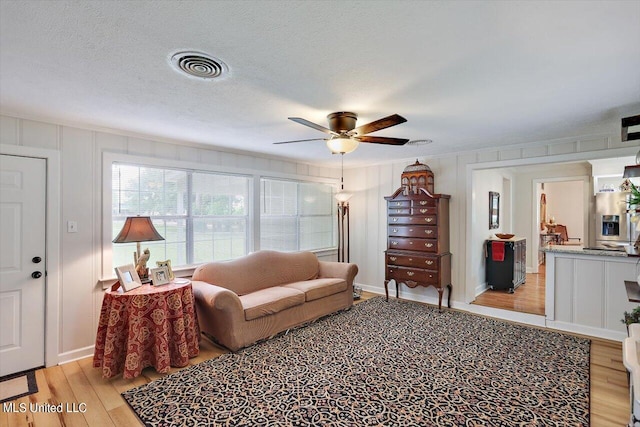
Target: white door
{"x":22,"y":263}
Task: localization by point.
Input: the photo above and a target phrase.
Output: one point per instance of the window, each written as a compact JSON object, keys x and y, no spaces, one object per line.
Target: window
{"x":202,"y":216}
{"x":296,"y":215}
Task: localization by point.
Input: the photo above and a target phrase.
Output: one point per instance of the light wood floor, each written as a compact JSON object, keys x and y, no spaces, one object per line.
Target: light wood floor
{"x":527,"y":298}
{"x":78,"y":382}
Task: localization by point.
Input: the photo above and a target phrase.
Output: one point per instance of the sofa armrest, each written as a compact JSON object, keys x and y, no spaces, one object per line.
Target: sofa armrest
{"x":216,"y":297}
{"x":218,"y":308}
{"x":340,"y":270}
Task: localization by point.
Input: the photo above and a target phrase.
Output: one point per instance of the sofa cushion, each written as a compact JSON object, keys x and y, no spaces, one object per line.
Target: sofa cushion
{"x":319,"y":288}
{"x":269,"y":301}
{"x":259,"y":270}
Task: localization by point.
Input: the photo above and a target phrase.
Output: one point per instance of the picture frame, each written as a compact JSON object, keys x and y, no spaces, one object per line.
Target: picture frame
{"x":167,"y":264}
{"x":128,"y":277}
{"x":159,"y":276}
{"x":494,"y":210}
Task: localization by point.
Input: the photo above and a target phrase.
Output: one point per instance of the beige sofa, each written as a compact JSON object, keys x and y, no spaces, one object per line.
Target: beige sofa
{"x":242,"y":301}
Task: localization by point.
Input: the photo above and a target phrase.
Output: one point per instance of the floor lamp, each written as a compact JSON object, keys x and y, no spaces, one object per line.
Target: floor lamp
{"x":343,"y":218}
{"x":343,"y":226}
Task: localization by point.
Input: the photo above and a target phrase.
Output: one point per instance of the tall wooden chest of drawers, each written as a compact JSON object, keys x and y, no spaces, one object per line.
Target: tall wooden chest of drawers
{"x":418,"y":241}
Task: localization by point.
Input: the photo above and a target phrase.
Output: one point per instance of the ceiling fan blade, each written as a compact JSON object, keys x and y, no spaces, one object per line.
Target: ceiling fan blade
{"x":312,"y":125}
{"x":300,"y":140}
{"x":382,"y":140}
{"x":379,"y":124}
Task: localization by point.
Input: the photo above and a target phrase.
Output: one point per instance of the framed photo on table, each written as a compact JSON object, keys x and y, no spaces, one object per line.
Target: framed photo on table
{"x":160,"y":276}
{"x":128,"y":277}
{"x":167,"y":264}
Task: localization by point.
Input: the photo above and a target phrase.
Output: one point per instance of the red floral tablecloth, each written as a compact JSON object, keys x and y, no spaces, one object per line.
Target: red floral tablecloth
{"x":147,"y":326}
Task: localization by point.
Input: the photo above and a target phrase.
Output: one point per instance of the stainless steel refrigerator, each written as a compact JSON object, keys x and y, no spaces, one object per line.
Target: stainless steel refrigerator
{"x":612,"y":222}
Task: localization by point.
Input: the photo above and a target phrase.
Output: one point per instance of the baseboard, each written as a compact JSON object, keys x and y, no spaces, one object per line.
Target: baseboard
{"x":481,"y":288}
{"x":74,"y":355}
{"x":511,"y":316}
{"x":587,"y":330}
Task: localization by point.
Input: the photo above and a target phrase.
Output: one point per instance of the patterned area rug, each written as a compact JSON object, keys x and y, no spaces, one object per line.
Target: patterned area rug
{"x":383,"y":363}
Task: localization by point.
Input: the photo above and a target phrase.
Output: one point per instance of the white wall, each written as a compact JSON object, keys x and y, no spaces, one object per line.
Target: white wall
{"x":565,"y":202}
{"x":81,"y":152}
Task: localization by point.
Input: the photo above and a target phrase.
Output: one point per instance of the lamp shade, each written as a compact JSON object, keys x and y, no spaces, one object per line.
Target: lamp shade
{"x":343,"y":196}
{"x":342,"y":145}
{"x":137,"y":229}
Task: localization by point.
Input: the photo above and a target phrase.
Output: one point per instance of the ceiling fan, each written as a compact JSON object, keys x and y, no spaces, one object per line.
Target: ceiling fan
{"x":345,"y":136}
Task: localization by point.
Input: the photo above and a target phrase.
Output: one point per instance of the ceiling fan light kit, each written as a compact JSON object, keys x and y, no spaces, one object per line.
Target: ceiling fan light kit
{"x":342,"y":145}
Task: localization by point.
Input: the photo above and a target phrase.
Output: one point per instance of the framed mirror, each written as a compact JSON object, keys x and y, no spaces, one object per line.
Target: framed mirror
{"x":494,"y":210}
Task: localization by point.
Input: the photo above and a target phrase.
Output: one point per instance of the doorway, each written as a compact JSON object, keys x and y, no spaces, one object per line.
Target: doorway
{"x":22,"y":262}
{"x":527,"y":298}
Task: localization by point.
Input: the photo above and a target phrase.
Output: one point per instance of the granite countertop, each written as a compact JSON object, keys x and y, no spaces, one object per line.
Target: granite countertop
{"x":571,"y":249}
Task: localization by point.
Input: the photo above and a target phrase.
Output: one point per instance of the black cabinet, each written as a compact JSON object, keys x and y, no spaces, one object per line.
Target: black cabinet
{"x":511,"y":271}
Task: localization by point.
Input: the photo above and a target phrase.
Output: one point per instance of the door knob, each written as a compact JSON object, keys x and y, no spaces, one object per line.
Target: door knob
{"x":36,"y":259}
{"x":36,"y":275}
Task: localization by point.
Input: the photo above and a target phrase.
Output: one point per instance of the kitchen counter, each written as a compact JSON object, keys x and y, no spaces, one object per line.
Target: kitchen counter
{"x":626,"y":251}
{"x":585,"y":289}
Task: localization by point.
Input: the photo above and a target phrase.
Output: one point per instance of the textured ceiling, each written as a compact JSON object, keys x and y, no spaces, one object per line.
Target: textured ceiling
{"x":464,"y":74}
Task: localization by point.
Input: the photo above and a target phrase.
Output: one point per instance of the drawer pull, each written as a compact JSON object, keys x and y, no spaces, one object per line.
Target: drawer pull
{"x":423,"y":202}
{"x":411,"y":229}
{"x":430,"y":219}
{"x":429,"y":245}
{"x":429,"y":262}
{"x":428,"y":231}
{"x":393,"y":242}
{"x":424,"y":210}
{"x":392,"y":258}
{"x":395,"y":230}
{"x":410,"y":259}
{"x":395,"y":219}
{"x":410,"y":273}
{"x":411,"y":243}
{"x":398,"y":204}
{"x":431,"y":276}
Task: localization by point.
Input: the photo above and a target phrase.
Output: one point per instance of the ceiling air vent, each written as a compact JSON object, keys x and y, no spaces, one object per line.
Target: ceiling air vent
{"x":198,"y":64}
{"x":417,"y":142}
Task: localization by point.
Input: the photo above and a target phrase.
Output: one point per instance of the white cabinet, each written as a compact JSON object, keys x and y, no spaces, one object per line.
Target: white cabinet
{"x":585,"y":293}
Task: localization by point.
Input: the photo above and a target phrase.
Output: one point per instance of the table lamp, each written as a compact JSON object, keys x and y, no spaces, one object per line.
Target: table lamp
{"x":139,"y":229}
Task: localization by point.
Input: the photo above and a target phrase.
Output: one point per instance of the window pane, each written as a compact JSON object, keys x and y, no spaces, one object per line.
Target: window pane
{"x":148,"y":191}
{"x":174,"y":245}
{"x":279,"y":233}
{"x":219,"y":239}
{"x":316,"y":232}
{"x":315,"y":199}
{"x":220,"y":194}
{"x":296,"y":215}
{"x":279,"y":197}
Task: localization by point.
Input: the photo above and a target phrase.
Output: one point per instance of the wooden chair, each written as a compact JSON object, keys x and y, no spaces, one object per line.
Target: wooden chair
{"x":564,"y":235}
